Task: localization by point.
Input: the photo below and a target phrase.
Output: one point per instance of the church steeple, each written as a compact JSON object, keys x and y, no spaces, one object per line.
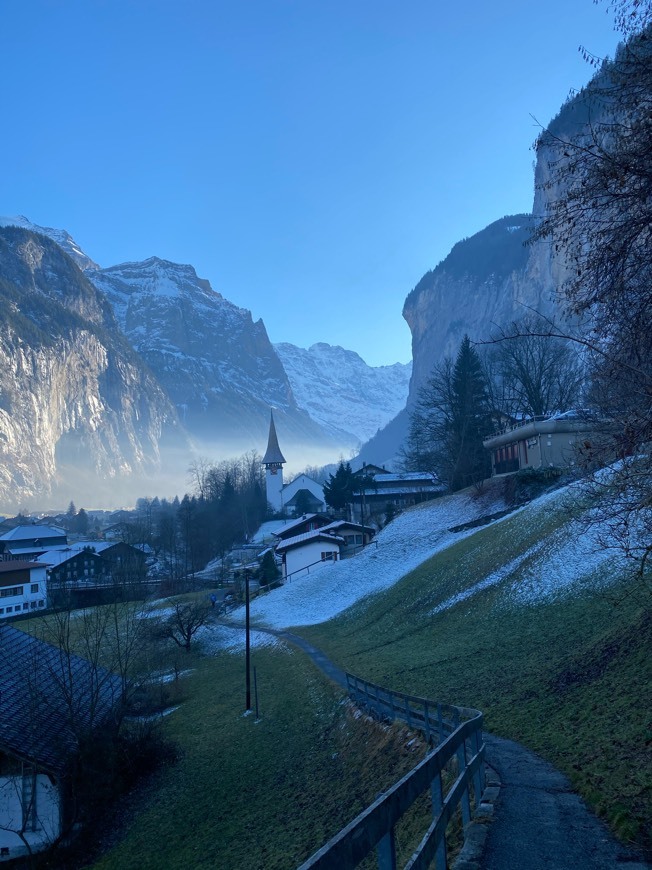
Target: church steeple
{"x":273,"y":457}
{"x":273,"y":461}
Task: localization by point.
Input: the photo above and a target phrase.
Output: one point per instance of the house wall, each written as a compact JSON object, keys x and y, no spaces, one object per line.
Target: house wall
{"x":11,"y":814}
{"x":304,"y":482}
{"x":22,"y":591}
{"x":84,"y":565}
{"x":300,"y":558}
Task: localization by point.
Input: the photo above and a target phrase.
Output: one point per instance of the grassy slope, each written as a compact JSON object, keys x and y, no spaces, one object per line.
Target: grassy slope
{"x":569,"y":677}
{"x":259,"y":794}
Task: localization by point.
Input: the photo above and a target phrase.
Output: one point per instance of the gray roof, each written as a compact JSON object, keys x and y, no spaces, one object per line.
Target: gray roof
{"x":32,"y":532}
{"x":47,"y":698}
{"x":273,"y":455}
{"x":308,"y":538}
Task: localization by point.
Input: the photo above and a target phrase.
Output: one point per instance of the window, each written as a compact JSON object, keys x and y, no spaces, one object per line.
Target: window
{"x":41,"y":603}
{"x":2,"y":610}
{"x":32,"y":605}
{"x":25,"y":606}
{"x":10,"y":591}
{"x":10,"y":610}
{"x":33,"y":587}
{"x":329,"y":557}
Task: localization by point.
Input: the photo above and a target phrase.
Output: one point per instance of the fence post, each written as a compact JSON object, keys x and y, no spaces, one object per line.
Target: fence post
{"x":391,"y":705}
{"x":407,"y":712}
{"x":386,"y":852}
{"x":478,"y":779}
{"x":440,"y":722}
{"x":464,"y":801}
{"x":437,"y":794}
{"x":378,"y":706}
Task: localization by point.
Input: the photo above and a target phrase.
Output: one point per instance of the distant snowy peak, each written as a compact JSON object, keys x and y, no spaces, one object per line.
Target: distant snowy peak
{"x":61,"y":237}
{"x":341,"y":392}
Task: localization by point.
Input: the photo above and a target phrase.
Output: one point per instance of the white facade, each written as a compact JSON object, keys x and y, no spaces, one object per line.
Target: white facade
{"x":274,"y":487}
{"x":310,"y":557}
{"x":304,"y":482}
{"x":41,"y":806}
{"x":22,"y":592}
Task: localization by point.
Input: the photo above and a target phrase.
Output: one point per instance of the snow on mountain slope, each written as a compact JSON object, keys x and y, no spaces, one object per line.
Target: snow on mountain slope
{"x":61,"y":237}
{"x":341,"y":392}
{"x":215,"y":362}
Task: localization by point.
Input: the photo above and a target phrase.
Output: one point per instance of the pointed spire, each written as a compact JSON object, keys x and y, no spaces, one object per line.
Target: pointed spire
{"x":273,"y":455}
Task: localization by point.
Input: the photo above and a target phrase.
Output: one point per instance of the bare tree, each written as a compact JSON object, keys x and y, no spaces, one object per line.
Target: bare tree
{"x":533,"y":373}
{"x":184,"y":622}
{"x":598,"y":223}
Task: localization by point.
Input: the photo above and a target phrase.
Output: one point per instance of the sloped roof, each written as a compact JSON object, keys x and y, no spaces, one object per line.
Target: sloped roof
{"x":39,"y":687}
{"x":32,"y":531}
{"x":282,"y":531}
{"x":308,"y":538}
{"x":273,"y":455}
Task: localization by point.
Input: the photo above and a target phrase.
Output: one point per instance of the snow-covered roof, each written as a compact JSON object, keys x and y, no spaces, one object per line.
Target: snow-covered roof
{"x":58,"y":555}
{"x":281,"y":531}
{"x":32,"y":532}
{"x":341,"y":524}
{"x":308,"y":538}
{"x":405,"y":478}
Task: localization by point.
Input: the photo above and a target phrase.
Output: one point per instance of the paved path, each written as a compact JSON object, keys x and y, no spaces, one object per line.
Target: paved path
{"x":540,"y":823}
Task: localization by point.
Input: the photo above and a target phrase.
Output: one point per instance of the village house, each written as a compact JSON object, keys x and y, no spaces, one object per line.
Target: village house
{"x":541,"y":442}
{"x":30,"y":540}
{"x":307,"y":551}
{"x":38,"y":738}
{"x":23,"y":587}
{"x":376,"y":489}
{"x":313,"y":540}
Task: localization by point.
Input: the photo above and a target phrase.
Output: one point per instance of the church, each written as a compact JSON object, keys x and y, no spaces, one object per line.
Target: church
{"x":301,"y":495}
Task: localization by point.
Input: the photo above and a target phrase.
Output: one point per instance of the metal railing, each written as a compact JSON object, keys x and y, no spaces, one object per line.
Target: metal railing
{"x":459,"y":732}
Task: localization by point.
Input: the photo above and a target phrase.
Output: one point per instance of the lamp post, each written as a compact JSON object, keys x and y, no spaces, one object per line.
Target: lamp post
{"x":247,"y":644}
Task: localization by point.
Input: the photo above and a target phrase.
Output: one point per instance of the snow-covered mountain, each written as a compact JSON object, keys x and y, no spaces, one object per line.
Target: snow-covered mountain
{"x":217,"y":364}
{"x":61,"y":237}
{"x":340,"y":391}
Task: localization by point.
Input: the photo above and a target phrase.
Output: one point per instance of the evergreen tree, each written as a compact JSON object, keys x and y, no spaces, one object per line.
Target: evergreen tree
{"x":450,"y":420}
{"x":338,"y":489}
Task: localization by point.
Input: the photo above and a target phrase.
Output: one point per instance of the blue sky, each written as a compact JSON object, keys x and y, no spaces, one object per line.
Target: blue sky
{"x":310,"y":158}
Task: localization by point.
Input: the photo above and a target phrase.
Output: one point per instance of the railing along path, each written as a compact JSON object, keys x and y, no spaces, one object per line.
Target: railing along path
{"x":458,"y":733}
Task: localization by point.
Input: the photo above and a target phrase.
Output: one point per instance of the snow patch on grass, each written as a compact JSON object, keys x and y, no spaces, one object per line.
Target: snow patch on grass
{"x":403,"y":545}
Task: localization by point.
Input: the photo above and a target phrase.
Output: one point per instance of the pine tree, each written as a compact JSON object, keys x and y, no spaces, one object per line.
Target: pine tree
{"x":338,"y":489}
{"x":450,"y":420}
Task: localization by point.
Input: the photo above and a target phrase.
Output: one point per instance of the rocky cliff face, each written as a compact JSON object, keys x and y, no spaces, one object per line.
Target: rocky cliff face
{"x":216,"y":364}
{"x":341,"y":392}
{"x":77,"y":406}
{"x":486,"y":282}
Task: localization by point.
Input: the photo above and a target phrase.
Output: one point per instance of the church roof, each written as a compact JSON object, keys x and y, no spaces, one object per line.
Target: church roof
{"x":273,"y":455}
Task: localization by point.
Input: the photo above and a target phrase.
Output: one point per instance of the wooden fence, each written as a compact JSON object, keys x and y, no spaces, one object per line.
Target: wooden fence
{"x":458,"y":733}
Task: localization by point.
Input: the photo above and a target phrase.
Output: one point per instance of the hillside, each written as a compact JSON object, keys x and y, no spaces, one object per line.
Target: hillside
{"x":523,"y":617}
{"x":528,"y":618}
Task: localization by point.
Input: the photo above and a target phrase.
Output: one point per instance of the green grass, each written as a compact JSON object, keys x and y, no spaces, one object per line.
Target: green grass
{"x":260,"y":794}
{"x":569,"y":678}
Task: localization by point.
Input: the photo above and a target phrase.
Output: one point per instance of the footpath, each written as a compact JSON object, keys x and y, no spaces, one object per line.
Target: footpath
{"x":538,"y":821}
